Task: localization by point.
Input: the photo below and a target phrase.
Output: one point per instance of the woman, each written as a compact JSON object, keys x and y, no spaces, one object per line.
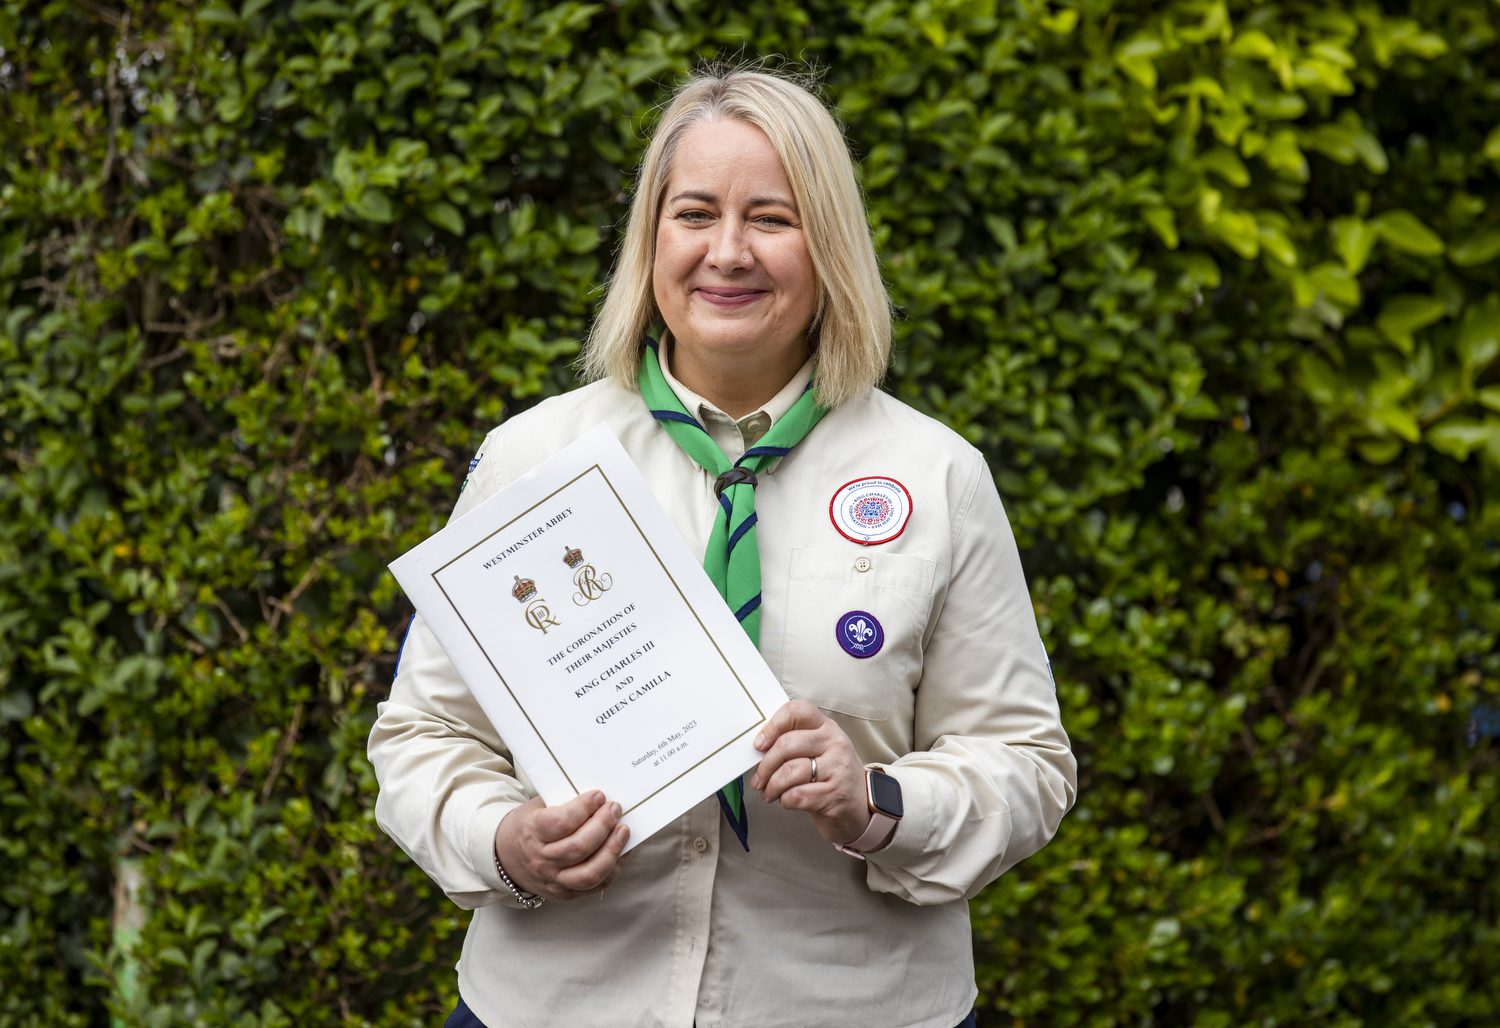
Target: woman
{"x":738,"y":349}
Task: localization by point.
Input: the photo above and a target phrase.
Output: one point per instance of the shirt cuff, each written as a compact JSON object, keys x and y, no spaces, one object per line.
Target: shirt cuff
{"x":909,"y":842}
{"x":482,"y":847}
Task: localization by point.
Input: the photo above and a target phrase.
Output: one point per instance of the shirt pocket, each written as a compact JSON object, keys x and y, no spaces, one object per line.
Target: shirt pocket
{"x":825,"y":585}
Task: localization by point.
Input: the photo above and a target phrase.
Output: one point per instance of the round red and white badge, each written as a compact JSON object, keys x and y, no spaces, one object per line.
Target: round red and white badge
{"x":870,"y":511}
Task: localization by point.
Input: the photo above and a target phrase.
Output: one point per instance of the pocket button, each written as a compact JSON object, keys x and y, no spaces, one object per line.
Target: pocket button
{"x":862,"y":565}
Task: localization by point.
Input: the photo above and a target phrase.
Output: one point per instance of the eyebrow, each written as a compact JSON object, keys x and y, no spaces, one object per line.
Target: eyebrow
{"x":691,"y":194}
{"x":772,"y":201}
{"x":755,"y":201}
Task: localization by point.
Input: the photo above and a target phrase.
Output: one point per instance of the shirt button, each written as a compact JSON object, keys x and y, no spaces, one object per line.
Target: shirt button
{"x":862,"y":565}
{"x":700,"y":844}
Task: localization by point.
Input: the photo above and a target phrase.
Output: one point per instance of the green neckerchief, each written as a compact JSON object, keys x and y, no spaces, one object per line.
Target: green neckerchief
{"x":733,"y":558}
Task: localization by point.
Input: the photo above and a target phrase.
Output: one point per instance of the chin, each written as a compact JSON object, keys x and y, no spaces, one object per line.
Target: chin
{"x":730,"y":334}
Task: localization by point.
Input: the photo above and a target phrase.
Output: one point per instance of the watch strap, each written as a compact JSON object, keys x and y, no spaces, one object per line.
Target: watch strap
{"x":880,"y":826}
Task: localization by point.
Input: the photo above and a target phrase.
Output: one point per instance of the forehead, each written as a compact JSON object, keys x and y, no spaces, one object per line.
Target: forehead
{"x":725,"y":157}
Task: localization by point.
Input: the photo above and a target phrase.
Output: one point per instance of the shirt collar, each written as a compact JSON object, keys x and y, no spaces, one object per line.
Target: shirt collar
{"x":777,"y":406}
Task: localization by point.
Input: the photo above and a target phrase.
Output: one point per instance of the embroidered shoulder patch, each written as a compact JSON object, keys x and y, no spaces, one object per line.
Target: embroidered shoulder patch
{"x":472,"y":465}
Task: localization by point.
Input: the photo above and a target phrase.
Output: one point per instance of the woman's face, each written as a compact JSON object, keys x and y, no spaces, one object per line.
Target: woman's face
{"x":732,"y":275}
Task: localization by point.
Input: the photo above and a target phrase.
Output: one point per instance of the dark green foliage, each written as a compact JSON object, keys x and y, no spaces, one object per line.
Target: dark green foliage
{"x":1214,"y":287}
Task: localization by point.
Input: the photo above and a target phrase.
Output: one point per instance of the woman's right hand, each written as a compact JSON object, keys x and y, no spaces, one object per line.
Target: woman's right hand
{"x":563,"y":852}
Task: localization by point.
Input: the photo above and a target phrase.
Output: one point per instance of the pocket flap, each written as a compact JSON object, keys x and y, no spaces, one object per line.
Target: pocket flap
{"x":886,"y":570}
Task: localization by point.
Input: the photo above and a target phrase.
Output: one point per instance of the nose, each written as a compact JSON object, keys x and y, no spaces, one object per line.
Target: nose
{"x":729,"y":248}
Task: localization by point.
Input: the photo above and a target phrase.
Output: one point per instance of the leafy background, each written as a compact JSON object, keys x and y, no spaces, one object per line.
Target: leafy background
{"x":1213,"y":284}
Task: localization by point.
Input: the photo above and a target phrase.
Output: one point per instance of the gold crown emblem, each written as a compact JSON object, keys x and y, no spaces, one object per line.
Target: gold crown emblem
{"x":525,"y":589}
{"x":572,"y":558}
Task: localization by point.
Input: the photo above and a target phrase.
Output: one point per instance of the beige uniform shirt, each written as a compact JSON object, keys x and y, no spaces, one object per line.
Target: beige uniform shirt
{"x":958,"y":703}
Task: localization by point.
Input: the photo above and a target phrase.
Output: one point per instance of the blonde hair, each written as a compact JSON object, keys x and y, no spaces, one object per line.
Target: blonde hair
{"x":851,"y":331}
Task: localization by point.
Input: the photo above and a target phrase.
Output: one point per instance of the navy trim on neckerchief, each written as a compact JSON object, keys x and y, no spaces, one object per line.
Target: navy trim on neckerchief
{"x":745,"y":526}
{"x":672,"y":415}
{"x":748,"y":608}
{"x":741,"y":825}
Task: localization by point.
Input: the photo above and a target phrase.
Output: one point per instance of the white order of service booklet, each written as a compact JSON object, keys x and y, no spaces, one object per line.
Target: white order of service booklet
{"x":593,"y":639}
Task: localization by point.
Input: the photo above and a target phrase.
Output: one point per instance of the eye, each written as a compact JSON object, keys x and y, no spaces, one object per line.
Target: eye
{"x":693,"y":217}
{"x":773,"y":221}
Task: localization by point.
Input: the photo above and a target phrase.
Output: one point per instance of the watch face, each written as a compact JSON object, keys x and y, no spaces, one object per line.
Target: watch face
{"x":885,"y":794}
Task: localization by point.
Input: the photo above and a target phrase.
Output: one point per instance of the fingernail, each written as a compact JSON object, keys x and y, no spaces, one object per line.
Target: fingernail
{"x":622,"y":832}
{"x":614,"y":808}
{"x":598,"y":800}
{"x":760,"y":741}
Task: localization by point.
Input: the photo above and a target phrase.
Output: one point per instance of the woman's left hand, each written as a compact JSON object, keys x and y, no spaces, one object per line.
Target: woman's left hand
{"x":796,"y":735}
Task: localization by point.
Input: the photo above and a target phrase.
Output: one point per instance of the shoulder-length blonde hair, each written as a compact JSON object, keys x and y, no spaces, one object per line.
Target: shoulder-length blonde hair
{"x":851,"y":331}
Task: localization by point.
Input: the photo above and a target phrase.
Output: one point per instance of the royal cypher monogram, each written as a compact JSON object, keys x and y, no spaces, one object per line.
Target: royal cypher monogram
{"x":591,"y":584}
{"x":538,"y":616}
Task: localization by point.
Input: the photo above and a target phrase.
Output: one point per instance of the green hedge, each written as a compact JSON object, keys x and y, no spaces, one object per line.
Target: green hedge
{"x":1213,"y":285}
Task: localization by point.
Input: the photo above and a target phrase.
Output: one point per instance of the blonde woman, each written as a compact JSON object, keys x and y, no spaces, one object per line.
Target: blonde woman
{"x":864,"y":547}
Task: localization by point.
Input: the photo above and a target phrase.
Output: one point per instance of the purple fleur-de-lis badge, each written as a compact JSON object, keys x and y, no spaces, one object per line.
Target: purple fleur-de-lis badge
{"x":860,"y":634}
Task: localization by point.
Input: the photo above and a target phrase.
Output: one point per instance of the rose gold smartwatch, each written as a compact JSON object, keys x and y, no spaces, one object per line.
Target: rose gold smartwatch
{"x":883,"y":793}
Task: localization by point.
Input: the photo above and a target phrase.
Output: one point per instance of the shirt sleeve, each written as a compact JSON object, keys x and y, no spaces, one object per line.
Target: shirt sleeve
{"x":991,"y":773}
{"x":446,"y":778}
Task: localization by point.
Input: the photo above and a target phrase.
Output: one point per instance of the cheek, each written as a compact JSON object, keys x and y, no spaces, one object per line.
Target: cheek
{"x":794,"y":269}
{"x":675,"y":256}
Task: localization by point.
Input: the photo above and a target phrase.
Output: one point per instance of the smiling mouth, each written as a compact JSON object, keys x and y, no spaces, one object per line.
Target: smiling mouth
{"x":730,"y":298}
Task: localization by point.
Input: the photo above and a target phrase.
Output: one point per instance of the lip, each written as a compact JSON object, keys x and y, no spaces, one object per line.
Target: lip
{"x":729,"y":298}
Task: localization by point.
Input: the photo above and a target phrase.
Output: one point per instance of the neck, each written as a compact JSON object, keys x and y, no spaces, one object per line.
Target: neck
{"x":737,"y":384}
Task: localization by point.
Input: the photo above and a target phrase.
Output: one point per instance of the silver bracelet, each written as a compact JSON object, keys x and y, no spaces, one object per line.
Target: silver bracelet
{"x":529,"y":900}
